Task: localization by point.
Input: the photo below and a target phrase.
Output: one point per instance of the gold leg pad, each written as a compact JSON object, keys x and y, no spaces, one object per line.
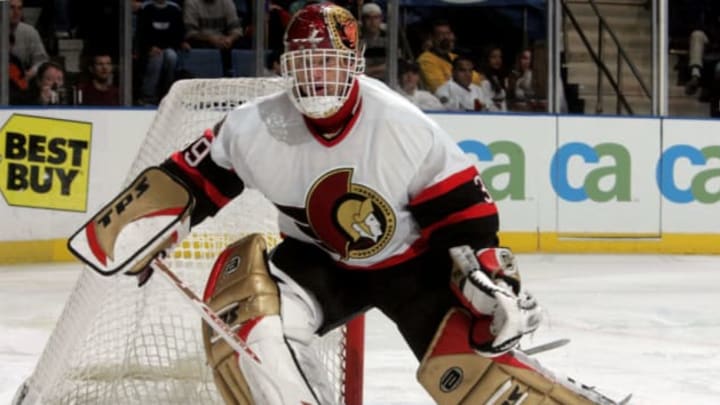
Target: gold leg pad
{"x":239,"y":289}
{"x":453,"y":374}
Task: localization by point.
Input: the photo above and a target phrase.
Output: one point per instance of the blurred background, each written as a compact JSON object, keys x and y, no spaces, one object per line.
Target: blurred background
{"x":611,"y":57}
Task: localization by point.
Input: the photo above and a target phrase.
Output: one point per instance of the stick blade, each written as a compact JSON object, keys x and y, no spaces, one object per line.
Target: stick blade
{"x":546,"y":346}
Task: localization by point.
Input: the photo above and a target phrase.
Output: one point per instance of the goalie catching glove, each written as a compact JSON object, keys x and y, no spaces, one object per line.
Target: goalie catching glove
{"x":487,"y":282}
{"x":145,"y":221}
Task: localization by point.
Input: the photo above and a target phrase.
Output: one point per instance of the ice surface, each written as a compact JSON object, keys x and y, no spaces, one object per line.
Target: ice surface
{"x":644,"y":324}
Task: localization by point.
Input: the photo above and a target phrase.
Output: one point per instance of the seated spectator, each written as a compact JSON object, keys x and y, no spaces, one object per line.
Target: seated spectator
{"x":520,"y":82}
{"x":436,"y":63}
{"x":28,"y":48}
{"x":522,"y":89}
{"x":59,"y":17}
{"x":160,"y":34}
{"x":409,"y":75}
{"x":296,"y":5}
{"x":495,"y":81}
{"x":99,"y":88}
{"x":213,"y":24}
{"x":373,"y":35}
{"x":16,"y":77}
{"x":460,"y":93}
{"x":272,"y":64}
{"x":704,"y":38}
{"x":98,"y":25}
{"x":48,"y":86}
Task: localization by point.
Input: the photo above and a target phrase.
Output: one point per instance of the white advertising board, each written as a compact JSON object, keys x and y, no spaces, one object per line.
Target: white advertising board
{"x":688,"y":175}
{"x":602,"y":174}
{"x":511,"y":153}
{"x":561,"y":183}
{"x":58,"y":166}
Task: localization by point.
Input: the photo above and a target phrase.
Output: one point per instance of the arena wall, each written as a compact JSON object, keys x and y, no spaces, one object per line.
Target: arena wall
{"x":562,"y":183}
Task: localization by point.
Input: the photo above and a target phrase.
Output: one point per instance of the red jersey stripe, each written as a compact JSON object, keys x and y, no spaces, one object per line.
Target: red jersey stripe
{"x":199,"y":180}
{"x":446,"y":185}
{"x":472,"y":212}
{"x":416,"y":249}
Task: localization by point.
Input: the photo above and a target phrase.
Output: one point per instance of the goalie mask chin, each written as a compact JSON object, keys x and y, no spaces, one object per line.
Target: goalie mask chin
{"x":322,"y":59}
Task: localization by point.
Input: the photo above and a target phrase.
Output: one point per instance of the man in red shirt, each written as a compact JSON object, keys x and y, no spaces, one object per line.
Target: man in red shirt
{"x":99,"y":89}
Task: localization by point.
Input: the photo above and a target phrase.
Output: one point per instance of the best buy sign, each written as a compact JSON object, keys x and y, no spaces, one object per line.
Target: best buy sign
{"x":44,"y":162}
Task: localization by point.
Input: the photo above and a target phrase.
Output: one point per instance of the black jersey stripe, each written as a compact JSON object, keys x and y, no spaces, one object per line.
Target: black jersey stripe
{"x":461,"y":197}
{"x":477,"y":232}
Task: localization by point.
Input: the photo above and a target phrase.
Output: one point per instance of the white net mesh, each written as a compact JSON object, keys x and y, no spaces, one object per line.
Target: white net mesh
{"x":118,"y":344}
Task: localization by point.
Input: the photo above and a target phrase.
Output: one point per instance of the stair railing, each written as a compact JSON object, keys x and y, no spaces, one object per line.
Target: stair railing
{"x":598,"y":58}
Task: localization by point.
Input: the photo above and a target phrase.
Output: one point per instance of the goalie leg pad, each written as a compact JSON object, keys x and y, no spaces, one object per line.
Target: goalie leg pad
{"x":239,"y":289}
{"x":453,"y":373}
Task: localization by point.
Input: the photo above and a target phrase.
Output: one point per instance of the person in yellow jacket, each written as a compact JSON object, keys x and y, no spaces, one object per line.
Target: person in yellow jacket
{"x":436,"y":62}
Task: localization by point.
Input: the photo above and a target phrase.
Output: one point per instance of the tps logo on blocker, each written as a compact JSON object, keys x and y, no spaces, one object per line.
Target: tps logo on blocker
{"x":44,"y":162}
{"x":700,"y":179}
{"x":578,"y":172}
{"x":503,"y":180}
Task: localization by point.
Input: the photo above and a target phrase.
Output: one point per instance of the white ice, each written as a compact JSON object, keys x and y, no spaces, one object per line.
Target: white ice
{"x":641,"y":324}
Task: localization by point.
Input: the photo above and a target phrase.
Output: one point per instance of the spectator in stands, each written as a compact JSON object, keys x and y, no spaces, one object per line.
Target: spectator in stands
{"x":213,"y":24}
{"x":16,"y":76}
{"x":409,"y":79}
{"x":28,"y":48}
{"x":297,"y":5}
{"x":98,"y":25}
{"x":272,"y":64}
{"x":99,"y":89}
{"x":520,"y":83}
{"x":373,"y":35}
{"x":48,"y":86}
{"x":460,"y":93}
{"x":704,"y":38}
{"x":61,"y":18}
{"x":495,"y":79}
{"x":278,"y":20}
{"x":160,"y":35}
{"x":522,"y":89}
{"x":436,"y":63}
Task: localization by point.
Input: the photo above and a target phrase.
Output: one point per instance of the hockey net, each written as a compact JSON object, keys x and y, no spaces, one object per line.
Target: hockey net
{"x":118,"y":344}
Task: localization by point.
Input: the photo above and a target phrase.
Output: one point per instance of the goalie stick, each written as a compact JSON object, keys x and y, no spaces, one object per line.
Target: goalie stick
{"x":554,"y":344}
{"x":207,"y":314}
{"x":585,"y":390}
{"x":136,"y":229}
{"x":545,"y":346}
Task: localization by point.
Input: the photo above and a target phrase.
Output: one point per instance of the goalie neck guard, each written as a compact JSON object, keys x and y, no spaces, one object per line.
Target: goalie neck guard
{"x":322,"y":59}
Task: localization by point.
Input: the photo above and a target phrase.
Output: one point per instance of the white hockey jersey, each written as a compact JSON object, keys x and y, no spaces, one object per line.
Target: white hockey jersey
{"x":372,"y":196}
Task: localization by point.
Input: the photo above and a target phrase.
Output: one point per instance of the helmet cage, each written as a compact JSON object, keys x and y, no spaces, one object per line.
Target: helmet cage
{"x":320,"y":80}
{"x":322,"y":58}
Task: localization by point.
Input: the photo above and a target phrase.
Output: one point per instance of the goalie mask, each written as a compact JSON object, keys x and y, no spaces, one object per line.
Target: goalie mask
{"x":322,"y":58}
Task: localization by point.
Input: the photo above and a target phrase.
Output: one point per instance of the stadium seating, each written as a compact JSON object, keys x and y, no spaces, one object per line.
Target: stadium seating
{"x":202,"y":63}
{"x":243,"y":62}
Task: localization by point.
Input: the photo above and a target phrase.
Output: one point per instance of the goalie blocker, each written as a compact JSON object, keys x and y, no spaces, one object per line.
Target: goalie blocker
{"x":145,"y":220}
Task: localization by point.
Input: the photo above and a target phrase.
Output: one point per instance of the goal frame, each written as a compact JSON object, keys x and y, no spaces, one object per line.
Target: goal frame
{"x":123,"y":373}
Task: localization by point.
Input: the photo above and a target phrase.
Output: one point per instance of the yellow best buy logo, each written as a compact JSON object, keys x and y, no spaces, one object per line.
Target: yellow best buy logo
{"x":44,"y":162}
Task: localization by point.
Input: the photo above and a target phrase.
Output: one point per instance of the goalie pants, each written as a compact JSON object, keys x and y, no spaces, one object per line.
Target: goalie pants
{"x":415,"y":294}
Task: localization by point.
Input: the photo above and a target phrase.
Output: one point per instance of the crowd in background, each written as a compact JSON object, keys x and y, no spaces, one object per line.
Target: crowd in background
{"x":438,"y":69}
{"x":433,"y":75}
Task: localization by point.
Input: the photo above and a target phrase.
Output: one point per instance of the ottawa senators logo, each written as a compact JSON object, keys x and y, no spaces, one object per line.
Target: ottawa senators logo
{"x":349,"y":219}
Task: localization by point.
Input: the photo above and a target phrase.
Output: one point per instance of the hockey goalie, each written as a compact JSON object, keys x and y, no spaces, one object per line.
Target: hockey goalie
{"x":378,"y":208}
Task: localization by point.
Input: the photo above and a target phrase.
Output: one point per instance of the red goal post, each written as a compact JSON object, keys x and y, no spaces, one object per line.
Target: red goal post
{"x":115,"y":343}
